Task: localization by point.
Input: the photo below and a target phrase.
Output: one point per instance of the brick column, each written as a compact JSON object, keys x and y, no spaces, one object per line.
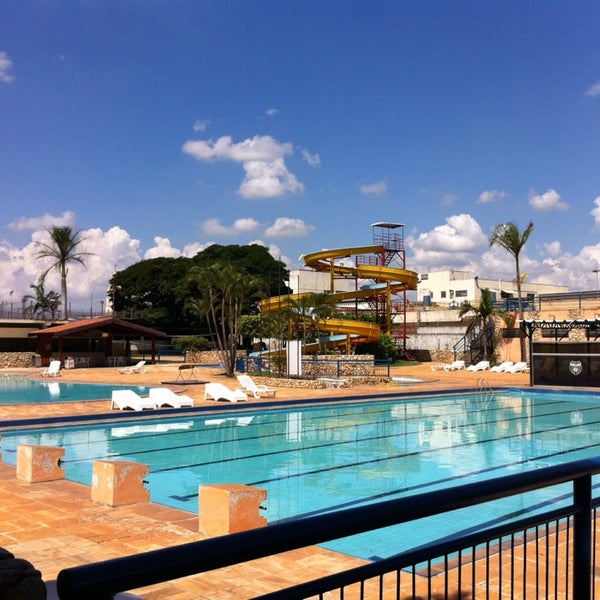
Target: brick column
{"x":230,"y":508}
{"x":39,"y":463}
{"x":118,"y":482}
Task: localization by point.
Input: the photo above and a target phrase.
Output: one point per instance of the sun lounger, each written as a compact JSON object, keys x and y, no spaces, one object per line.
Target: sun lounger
{"x":502,"y":367}
{"x":518,"y":367}
{"x":123,"y":399}
{"x":217,"y":391}
{"x":167,"y":397}
{"x":53,"y":369}
{"x":248,"y":386}
{"x":138,"y":368}
{"x":482,"y":365}
{"x":454,"y":366}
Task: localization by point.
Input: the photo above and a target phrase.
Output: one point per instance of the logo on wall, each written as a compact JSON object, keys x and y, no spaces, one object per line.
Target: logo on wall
{"x":575,"y":367}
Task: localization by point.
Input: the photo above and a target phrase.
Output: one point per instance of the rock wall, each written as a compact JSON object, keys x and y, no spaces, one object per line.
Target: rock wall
{"x":16,"y":360}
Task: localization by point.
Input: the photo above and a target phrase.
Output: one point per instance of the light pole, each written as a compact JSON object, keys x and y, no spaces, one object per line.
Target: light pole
{"x":596,"y":271}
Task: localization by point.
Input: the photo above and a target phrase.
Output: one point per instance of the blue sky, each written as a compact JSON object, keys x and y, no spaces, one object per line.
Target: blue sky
{"x":160,"y":127}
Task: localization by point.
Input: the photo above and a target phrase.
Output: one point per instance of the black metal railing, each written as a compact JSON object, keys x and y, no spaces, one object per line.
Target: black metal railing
{"x":553,"y":552}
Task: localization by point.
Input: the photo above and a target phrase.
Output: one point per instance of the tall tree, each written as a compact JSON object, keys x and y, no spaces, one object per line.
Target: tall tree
{"x":223,"y":294}
{"x":62,"y":250}
{"x":484,"y":316}
{"x":509,"y":237}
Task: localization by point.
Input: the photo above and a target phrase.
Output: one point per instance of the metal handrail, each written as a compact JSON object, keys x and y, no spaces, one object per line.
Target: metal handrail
{"x":103,"y":579}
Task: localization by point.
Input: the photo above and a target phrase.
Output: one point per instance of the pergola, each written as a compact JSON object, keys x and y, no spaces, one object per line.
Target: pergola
{"x":93,"y":336}
{"x":555,"y":359}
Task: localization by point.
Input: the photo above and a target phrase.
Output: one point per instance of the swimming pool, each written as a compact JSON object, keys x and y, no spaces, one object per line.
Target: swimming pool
{"x":17,"y":388}
{"x":320,"y":459}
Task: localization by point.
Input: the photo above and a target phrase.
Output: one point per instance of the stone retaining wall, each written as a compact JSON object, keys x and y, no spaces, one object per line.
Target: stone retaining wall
{"x":342,"y":366}
{"x":16,"y":360}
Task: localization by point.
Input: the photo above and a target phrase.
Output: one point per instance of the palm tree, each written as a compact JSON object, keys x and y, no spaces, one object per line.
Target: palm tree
{"x":509,"y":237}
{"x":42,"y":302}
{"x":484,"y":316}
{"x":223,"y":295}
{"x":62,"y":250}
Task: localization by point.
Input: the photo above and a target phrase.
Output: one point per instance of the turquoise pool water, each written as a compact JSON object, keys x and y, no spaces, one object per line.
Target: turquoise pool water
{"x":315,"y":460}
{"x":16,"y":388}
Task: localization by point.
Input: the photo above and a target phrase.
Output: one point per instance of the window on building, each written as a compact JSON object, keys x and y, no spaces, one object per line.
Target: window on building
{"x":461,"y":293}
{"x":443,"y":294}
{"x":424,"y":276}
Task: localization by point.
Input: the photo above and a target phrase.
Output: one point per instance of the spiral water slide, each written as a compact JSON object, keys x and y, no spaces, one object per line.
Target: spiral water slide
{"x":387,"y":281}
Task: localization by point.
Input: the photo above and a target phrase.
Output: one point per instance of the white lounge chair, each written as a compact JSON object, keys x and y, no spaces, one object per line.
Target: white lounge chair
{"x":454,"y":366}
{"x":502,"y":367}
{"x":518,"y":367}
{"x":140,"y":367}
{"x":482,"y":365}
{"x":217,"y":391}
{"x":167,"y":397}
{"x":53,"y":369}
{"x":123,"y":399}
{"x":248,"y":386}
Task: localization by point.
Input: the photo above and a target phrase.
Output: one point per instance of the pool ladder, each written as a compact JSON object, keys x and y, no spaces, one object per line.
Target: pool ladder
{"x":483,"y":387}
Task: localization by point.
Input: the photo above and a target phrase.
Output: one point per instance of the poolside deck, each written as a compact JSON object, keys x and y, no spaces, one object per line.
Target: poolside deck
{"x":55,"y":525}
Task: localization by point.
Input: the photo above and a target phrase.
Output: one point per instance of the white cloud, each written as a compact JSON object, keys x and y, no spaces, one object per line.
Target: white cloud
{"x":449,"y":199}
{"x":109,"y":251}
{"x":379,"y":188}
{"x":271,"y":112}
{"x":285,"y":227}
{"x":274,"y":251}
{"x":595,"y":212}
{"x":453,"y":245}
{"x":593,"y":90}
{"x":262,"y":158}
{"x":67,"y":219}
{"x":491,"y":196}
{"x":550,"y":200}
{"x":162,"y":249}
{"x":201,"y":125}
{"x":6,"y":65}
{"x":240,"y":226}
{"x":553,"y":248}
{"x":314,"y":160}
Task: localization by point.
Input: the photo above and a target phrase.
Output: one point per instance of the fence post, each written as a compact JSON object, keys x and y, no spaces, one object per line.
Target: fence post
{"x":582,"y":538}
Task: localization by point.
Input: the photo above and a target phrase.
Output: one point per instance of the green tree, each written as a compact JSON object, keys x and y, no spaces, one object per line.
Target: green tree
{"x":153,"y":291}
{"x":509,"y":237}
{"x":156,"y":290}
{"x":484,"y":314}
{"x":62,"y":250}
{"x":253,"y":259}
{"x":223,"y":294}
{"x":42,"y":302}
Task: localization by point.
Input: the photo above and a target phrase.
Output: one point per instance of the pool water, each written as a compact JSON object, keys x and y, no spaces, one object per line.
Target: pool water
{"x":320,"y":459}
{"x":16,"y":388}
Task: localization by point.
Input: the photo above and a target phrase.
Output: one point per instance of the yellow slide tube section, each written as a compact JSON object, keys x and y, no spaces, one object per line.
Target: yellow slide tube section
{"x":398,"y":280}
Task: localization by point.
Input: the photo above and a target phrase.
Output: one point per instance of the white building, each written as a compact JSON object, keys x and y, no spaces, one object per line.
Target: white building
{"x":307,"y":280}
{"x":452,"y":288}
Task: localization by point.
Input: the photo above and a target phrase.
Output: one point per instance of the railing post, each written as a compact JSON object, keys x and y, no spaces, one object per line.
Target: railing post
{"x":582,"y":538}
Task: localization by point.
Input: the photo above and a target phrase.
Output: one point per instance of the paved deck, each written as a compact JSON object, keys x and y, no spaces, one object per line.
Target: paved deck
{"x":55,"y":525}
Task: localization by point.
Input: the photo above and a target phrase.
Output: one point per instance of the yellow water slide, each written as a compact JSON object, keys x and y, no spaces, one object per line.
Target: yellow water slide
{"x":387,"y":281}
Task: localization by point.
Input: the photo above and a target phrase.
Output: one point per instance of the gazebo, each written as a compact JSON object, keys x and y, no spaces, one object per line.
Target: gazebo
{"x":96,"y":341}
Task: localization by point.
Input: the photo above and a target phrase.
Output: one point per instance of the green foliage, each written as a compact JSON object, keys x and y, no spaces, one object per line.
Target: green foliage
{"x":385,"y":348}
{"x":62,"y":250}
{"x":156,"y":291}
{"x":42,"y":302}
{"x":223,"y":294}
{"x":193,"y":343}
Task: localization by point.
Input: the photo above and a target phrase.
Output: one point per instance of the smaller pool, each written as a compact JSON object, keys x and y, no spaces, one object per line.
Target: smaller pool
{"x":17,"y":388}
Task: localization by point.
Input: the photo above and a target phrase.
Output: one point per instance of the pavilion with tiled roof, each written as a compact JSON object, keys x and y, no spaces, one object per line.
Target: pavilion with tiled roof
{"x":94,"y":338}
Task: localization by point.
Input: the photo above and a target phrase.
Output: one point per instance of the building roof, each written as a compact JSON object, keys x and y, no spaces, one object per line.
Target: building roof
{"x":97,"y":326}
